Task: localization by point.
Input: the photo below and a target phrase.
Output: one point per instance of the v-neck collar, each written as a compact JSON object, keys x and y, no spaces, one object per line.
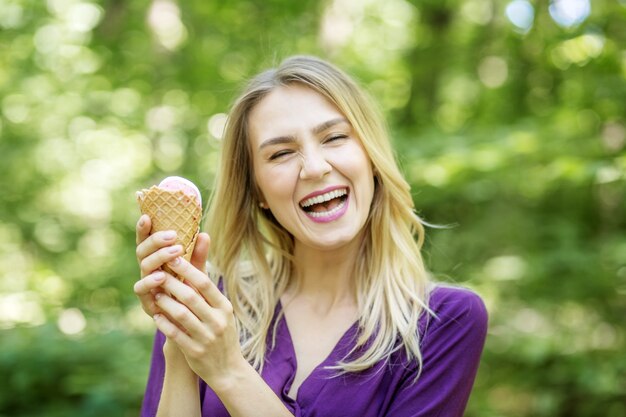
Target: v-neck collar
{"x":313,"y":383}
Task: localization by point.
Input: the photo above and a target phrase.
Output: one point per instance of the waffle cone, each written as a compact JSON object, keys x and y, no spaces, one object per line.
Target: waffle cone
{"x":172,"y":210}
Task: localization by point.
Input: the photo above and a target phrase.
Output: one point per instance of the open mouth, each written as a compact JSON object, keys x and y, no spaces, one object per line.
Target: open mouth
{"x":326,"y":206}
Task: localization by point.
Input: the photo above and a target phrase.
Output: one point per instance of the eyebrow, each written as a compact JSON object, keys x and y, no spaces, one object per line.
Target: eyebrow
{"x":316,"y":130}
{"x":328,"y":124}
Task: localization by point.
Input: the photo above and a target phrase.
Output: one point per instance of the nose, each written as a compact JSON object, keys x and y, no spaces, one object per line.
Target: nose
{"x":314,"y":165}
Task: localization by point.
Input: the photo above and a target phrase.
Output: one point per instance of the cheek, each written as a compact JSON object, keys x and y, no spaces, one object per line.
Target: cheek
{"x":275,"y":183}
{"x":356,"y":161}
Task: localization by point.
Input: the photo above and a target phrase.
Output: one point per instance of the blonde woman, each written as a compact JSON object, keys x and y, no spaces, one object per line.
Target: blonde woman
{"x":317,"y":302}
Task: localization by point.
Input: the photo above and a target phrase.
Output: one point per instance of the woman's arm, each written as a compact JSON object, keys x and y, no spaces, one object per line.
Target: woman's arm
{"x":180,"y":395}
{"x":172,"y":385}
{"x":200,"y":320}
{"x":201,"y":336}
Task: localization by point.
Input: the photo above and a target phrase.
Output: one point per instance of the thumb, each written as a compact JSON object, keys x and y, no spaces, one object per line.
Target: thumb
{"x":201,"y":251}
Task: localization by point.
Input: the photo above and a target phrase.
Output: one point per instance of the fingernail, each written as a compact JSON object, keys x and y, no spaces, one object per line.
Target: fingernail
{"x":142,"y":221}
{"x":175,"y":249}
{"x":174,"y":262}
{"x":158,"y":276}
{"x":158,"y":295}
{"x":169,"y":235}
{"x":156,"y":317}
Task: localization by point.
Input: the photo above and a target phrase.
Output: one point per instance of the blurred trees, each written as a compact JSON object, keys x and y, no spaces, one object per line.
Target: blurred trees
{"x":508,"y":119}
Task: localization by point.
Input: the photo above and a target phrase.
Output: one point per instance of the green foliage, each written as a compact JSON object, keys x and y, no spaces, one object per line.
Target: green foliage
{"x":52,"y":375}
{"x":512,"y":136}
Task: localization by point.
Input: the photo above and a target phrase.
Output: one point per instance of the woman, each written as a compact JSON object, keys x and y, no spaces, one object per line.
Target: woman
{"x":318,"y":303}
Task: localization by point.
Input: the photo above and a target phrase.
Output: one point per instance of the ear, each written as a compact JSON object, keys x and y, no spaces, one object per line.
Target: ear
{"x":262,"y":202}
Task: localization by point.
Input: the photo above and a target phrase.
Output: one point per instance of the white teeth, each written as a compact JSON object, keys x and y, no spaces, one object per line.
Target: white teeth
{"x":327,"y":213}
{"x":324,"y":197}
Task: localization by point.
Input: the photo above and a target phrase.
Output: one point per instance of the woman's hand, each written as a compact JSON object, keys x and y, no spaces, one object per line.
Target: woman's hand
{"x":155,"y":250}
{"x":199,"y":319}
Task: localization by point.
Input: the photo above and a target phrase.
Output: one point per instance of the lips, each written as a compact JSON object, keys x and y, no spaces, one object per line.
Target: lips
{"x":323,"y":198}
{"x":326,"y":205}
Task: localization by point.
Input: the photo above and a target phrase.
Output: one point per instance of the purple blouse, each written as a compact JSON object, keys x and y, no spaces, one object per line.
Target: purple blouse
{"x":451,"y":345}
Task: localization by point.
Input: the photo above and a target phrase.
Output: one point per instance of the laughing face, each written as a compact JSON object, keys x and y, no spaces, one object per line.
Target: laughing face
{"x":311,"y":168}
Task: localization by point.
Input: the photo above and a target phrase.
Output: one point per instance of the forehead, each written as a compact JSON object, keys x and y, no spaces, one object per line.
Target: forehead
{"x":288,"y":110}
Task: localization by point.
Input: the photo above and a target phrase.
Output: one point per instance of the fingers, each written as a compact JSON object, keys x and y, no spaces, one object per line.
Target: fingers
{"x":201,"y":252}
{"x":156,"y":259}
{"x":155,"y":241}
{"x":144,"y":224}
{"x":149,"y":251}
{"x":201,"y":282}
{"x":147,"y":288}
{"x":190,"y":312}
{"x":171,"y":331}
{"x":150,"y":282}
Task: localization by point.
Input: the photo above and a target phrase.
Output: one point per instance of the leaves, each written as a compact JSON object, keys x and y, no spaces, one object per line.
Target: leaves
{"x":510,"y":129}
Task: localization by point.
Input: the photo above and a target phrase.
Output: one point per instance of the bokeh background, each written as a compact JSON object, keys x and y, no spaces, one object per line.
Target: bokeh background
{"x":508,"y":118}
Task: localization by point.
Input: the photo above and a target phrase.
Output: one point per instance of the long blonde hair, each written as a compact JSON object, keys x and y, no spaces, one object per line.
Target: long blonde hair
{"x":253,"y":252}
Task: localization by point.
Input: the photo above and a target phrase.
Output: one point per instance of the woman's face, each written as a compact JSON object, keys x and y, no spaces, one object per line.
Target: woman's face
{"x":311,"y":168}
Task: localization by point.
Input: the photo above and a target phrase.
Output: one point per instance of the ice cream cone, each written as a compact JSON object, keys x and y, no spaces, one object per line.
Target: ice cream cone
{"x":173,"y":210}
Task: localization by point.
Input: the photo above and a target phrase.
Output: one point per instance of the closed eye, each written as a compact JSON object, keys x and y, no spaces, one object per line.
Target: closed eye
{"x":335,"y":137}
{"x":279,"y":154}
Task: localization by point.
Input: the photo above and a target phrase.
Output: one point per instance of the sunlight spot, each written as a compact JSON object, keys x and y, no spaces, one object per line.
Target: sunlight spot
{"x":170,"y":152}
{"x":87,"y":61}
{"x":614,"y":136}
{"x":505,"y":268}
{"x":15,"y":108}
{"x":521,"y":14}
{"x":84,"y":200}
{"x":83,"y":17}
{"x":59,"y":7}
{"x":528,"y":320}
{"x":125,"y":101}
{"x":164,"y":20}
{"x":375,"y":31}
{"x":48,"y":38}
{"x":477,"y":11}
{"x":336,"y":28}
{"x":20,"y":308}
{"x":99,"y":243}
{"x":71,"y":321}
{"x":604,"y":336}
{"x":486,"y":159}
{"x":607,"y":174}
{"x":216,"y":125}
{"x":49,"y":233}
{"x":579,"y":50}
{"x":567,"y":13}
{"x":11,"y":15}
{"x":161,"y":118}
{"x":493,"y":71}
{"x":15,"y":263}
{"x":451,"y":116}
{"x":435,"y":175}
{"x":53,"y":289}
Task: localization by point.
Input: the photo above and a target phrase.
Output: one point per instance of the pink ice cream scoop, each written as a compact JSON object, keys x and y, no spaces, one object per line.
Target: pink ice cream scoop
{"x":182,"y":184}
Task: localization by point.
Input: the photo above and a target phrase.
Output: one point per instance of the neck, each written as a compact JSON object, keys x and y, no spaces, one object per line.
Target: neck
{"x":326,"y":275}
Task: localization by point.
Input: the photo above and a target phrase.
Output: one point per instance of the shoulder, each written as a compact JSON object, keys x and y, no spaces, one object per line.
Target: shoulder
{"x":456,"y":300}
{"x":455,"y":308}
